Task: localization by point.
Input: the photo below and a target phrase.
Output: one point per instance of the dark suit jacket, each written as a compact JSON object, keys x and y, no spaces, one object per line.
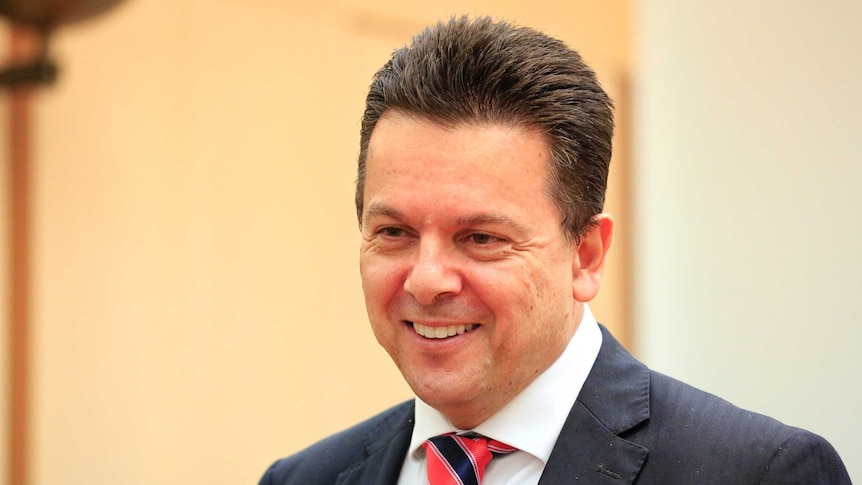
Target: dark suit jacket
{"x":629,"y":425}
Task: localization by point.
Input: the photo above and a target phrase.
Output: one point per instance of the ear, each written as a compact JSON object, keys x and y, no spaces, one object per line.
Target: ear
{"x":588,"y":263}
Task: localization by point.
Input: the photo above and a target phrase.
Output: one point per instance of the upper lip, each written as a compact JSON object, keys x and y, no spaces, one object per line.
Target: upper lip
{"x":440,"y":323}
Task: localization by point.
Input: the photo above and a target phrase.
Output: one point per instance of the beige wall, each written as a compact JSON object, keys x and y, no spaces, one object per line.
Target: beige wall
{"x":197,"y":309}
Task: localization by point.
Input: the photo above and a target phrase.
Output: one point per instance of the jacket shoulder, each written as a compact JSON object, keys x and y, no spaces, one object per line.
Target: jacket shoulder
{"x":698,"y":437}
{"x":688,"y":435}
{"x":322,"y":462}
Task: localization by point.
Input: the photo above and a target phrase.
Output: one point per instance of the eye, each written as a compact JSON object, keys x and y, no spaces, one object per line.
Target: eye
{"x":482,"y":239}
{"x":483,"y":246}
{"x":391,"y":231}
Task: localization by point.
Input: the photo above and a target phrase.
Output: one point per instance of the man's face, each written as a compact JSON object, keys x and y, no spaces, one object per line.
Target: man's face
{"x":459,"y":239}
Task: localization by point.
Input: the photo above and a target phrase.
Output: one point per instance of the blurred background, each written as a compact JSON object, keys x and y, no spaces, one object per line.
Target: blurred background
{"x":195,"y":310}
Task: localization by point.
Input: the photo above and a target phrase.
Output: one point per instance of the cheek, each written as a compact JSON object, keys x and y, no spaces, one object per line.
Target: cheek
{"x":531,"y":302}
{"x":380,"y":282}
{"x":517,"y":285}
{"x":374,"y":289}
{"x":511,"y":292}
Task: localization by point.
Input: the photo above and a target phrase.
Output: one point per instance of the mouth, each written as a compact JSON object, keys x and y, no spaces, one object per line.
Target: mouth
{"x":442,"y":332}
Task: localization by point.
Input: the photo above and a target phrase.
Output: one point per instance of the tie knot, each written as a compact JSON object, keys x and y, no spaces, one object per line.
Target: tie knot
{"x":454,"y":459}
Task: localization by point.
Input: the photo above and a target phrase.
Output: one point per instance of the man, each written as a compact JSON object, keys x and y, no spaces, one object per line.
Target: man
{"x":482,"y":169}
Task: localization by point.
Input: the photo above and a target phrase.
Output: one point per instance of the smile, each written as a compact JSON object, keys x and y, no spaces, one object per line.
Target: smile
{"x":442,"y":332}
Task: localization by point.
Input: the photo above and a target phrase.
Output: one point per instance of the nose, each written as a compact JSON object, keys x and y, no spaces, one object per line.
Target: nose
{"x":434,"y":274}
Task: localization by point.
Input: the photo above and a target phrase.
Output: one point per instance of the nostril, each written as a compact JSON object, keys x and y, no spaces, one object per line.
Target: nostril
{"x":431,"y":281}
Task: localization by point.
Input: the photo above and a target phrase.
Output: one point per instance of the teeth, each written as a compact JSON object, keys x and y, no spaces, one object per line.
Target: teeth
{"x":442,"y":332}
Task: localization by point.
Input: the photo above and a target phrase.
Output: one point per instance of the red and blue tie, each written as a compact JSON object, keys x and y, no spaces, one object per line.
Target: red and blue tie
{"x":460,"y":459}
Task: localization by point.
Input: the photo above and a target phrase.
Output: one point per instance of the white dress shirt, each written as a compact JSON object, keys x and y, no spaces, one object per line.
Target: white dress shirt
{"x":531,"y":422}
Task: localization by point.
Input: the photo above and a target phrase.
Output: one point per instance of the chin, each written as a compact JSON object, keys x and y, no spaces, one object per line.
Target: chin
{"x":441,"y":392}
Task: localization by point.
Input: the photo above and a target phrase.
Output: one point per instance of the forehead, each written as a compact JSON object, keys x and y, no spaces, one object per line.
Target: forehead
{"x":402,"y":143}
{"x":417,"y":165}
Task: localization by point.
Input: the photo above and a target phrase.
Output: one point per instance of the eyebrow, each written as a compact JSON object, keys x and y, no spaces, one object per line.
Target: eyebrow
{"x":482,"y":219}
{"x":378,"y":209}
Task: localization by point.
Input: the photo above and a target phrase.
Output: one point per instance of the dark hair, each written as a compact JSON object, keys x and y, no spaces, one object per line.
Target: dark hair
{"x":485,"y":71}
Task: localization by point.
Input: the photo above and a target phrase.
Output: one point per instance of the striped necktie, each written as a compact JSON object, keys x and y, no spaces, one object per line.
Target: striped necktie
{"x":460,"y":459}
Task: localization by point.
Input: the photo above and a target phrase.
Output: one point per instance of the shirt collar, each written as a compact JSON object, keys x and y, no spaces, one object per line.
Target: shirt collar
{"x":532,"y":421}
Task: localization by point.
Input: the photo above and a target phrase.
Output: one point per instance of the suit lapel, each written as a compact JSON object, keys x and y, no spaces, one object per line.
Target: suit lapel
{"x":613,"y":400}
{"x":385,"y":448}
